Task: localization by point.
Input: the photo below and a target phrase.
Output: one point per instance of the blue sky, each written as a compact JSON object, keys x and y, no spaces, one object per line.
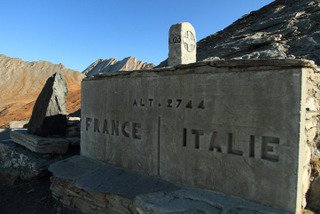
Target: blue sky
{"x":77,"y":32}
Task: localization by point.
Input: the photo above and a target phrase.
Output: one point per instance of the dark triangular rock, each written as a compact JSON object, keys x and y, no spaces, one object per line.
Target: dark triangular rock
{"x":49,"y":113}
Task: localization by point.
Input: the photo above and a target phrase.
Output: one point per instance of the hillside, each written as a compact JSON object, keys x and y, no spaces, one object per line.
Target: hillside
{"x":282,"y":29}
{"x":21,"y":83}
{"x":113,"y":65}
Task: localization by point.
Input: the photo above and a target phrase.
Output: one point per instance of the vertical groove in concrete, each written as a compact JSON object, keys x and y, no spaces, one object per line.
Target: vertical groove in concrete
{"x":159,"y":123}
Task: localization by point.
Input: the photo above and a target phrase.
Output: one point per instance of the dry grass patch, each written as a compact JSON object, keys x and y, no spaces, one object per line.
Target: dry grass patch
{"x":315,"y":163}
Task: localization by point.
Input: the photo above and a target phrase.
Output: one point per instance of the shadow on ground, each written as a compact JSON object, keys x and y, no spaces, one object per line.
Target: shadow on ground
{"x":33,"y":196}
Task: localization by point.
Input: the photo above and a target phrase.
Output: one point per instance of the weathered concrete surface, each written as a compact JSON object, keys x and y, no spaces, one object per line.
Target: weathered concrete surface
{"x":49,"y":112}
{"x":182,"y":44}
{"x":42,"y":145}
{"x":18,"y":163}
{"x":237,"y":127}
{"x":95,"y":187}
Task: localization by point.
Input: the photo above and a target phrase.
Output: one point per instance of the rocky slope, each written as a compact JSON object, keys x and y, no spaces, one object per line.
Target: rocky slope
{"x":282,"y":29}
{"x":112,"y":65}
{"x":21,"y":83}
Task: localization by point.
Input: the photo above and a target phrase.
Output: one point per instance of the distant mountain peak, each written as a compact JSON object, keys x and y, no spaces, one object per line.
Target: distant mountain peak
{"x":113,"y":65}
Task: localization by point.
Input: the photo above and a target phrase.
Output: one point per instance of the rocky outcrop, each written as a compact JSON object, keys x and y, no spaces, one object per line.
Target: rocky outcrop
{"x":112,"y":65}
{"x":21,"y":83}
{"x":18,"y":163}
{"x":314,"y":195}
{"x":41,"y":145}
{"x":49,"y":115}
{"x":311,"y":154}
{"x":282,"y":29}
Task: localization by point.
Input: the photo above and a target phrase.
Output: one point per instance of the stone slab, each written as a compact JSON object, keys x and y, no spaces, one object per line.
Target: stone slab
{"x":4,"y":134}
{"x":194,"y":200}
{"x":18,"y":163}
{"x":94,"y":176}
{"x":42,"y":145}
{"x":236,"y":127}
{"x":94,"y":187}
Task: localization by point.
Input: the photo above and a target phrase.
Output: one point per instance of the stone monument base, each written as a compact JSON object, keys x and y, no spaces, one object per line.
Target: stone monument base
{"x":43,"y":145}
{"x":95,"y":187}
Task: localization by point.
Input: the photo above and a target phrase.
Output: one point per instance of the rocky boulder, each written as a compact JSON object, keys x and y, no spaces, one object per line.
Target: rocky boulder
{"x":49,"y":113}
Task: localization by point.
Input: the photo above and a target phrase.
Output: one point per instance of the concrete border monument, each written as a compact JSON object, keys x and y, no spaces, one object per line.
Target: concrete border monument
{"x":182,"y":44}
{"x":236,"y":127}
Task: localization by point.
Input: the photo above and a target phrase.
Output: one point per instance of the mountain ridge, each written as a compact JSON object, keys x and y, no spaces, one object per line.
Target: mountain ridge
{"x":281,"y":29}
{"x":112,"y":65}
{"x":21,"y":82}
